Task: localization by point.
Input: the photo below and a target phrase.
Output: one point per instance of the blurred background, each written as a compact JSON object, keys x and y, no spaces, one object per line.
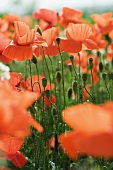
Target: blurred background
{"x":23,"y":7}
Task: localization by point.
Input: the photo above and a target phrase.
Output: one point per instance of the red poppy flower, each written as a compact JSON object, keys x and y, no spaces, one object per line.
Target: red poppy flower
{"x":69,"y":15}
{"x":13,"y":112}
{"x":104,"y":22}
{"x":4,"y":42}
{"x":20,"y":49}
{"x":92,"y":130}
{"x":10,"y":146}
{"x":46,"y":14}
{"x":81,"y":33}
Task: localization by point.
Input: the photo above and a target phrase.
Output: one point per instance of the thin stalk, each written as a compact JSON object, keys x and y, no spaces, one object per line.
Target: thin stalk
{"x":62,"y":70}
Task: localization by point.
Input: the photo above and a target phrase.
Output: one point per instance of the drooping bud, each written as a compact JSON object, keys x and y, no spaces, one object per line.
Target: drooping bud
{"x":44,"y":82}
{"x":34,"y":60}
{"x":58,"y":41}
{"x":39,"y":30}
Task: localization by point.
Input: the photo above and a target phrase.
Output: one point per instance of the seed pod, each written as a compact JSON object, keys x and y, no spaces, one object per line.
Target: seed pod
{"x":84,"y":77}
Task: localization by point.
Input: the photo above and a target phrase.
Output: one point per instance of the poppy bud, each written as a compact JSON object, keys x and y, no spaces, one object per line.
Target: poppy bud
{"x":34,"y":60}
{"x":47,"y":93}
{"x":98,"y":53}
{"x":84,"y":77}
{"x":39,"y":30}
{"x":75,"y":86}
{"x":72,"y":58}
{"x":101,"y":66}
{"x":69,"y":92}
{"x":91,"y":63}
{"x":58,"y":41}
{"x":104,"y":76}
{"x":44,"y":82}
{"x":58,"y":77}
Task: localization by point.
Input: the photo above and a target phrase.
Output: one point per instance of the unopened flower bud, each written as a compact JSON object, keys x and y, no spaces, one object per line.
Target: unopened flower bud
{"x":34,"y":60}
{"x":70,"y":92}
{"x":58,"y":77}
{"x":47,"y":93}
{"x":72,"y":58}
{"x":101,"y":66}
{"x":44,"y":82}
{"x":58,"y":41}
{"x":91,"y":63}
{"x":39,"y":30}
{"x":84,"y":77}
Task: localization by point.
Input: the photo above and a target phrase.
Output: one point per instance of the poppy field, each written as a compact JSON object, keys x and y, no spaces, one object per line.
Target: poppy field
{"x":56,"y":91}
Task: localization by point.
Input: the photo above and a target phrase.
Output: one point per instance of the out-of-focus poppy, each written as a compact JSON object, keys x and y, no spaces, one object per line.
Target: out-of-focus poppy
{"x":4,"y":42}
{"x":10,"y":146}
{"x":13,"y":113}
{"x":69,"y":15}
{"x":104,"y":22}
{"x":92,"y":132}
{"x":45,"y":19}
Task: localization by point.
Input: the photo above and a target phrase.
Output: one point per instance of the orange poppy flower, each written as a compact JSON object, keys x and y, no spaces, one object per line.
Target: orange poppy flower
{"x":69,"y":15}
{"x":20,"y":49}
{"x":4,"y":41}
{"x":81,"y":33}
{"x":50,"y":36}
{"x":10,"y":146}
{"x":89,"y":123}
{"x":46,"y":14}
{"x":16,"y":80}
{"x":92,"y":132}
{"x":3,"y":25}
{"x":13,"y":112}
{"x":98,"y":145}
{"x":104,"y":22}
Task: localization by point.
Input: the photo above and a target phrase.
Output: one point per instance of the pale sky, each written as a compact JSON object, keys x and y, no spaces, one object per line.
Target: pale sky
{"x":5,"y":5}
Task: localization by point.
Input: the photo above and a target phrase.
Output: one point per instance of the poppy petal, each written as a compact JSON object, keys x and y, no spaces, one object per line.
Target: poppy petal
{"x":10,"y":144}
{"x":19,"y":160}
{"x":78,"y":32}
{"x":87,"y":118}
{"x":16,"y":52}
